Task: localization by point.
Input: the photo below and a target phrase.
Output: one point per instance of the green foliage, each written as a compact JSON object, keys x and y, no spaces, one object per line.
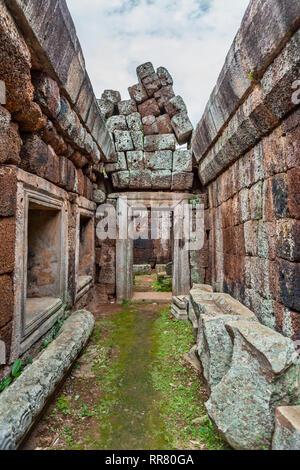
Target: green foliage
{"x":5,"y":383}
{"x":251,"y":76}
{"x":57,"y":328}
{"x":162,"y":284}
{"x":16,"y":371}
{"x":62,"y":405}
{"x":85,"y":413}
{"x":185,"y":403}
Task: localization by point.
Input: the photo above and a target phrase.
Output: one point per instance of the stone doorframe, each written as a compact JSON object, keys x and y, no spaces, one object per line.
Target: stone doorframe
{"x":124,"y":248}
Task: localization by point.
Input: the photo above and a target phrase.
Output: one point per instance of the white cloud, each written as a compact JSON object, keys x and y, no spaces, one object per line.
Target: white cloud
{"x":189,"y":37}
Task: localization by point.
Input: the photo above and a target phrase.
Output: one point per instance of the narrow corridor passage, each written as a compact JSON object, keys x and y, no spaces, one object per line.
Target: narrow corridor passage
{"x":130,"y":389}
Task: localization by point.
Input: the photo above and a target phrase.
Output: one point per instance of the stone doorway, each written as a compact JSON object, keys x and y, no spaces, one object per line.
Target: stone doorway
{"x":161,"y":201}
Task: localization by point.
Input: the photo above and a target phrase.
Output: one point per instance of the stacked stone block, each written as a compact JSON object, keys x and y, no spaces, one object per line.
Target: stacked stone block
{"x":147,"y":130}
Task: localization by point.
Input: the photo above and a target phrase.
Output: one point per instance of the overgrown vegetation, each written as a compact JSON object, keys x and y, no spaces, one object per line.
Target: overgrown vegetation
{"x":141,"y":394}
{"x":16,"y":370}
{"x":181,"y":396}
{"x":57,"y":328}
{"x":163,"y":284}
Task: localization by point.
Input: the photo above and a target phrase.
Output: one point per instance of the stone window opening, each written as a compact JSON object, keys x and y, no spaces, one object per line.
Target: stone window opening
{"x":85,"y":253}
{"x":151,"y":251}
{"x":44,"y":252}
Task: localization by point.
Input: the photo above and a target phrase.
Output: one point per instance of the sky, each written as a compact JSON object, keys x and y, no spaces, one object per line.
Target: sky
{"x":190,"y":38}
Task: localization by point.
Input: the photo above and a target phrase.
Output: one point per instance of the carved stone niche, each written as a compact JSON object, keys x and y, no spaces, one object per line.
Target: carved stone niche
{"x":85,"y":247}
{"x":41,"y":260}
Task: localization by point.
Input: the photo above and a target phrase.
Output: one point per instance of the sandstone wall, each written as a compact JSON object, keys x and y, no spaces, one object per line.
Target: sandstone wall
{"x":247,"y":148}
{"x":54,"y":142}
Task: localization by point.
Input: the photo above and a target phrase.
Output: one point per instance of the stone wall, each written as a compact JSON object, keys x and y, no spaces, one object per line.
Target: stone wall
{"x":247,"y":149}
{"x":148,"y":131}
{"x":53,"y":145}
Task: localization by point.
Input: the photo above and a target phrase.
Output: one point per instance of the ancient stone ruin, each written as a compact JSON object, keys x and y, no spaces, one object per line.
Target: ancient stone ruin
{"x":65,"y":154}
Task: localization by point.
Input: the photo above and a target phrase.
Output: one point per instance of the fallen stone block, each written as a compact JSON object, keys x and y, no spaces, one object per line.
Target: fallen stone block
{"x":197,"y":290}
{"x":183,"y":127}
{"x":161,"y":179}
{"x":164,"y":76}
{"x":144,"y":70}
{"x":123,"y":141}
{"x":182,"y":181}
{"x":23,"y":401}
{"x":7,"y":441}
{"x":134,"y":122}
{"x":182,"y":161}
{"x":138,"y":93}
{"x":159,"y":142}
{"x":135,"y":160}
{"x":175,"y":105}
{"x":149,"y":108}
{"x":159,"y":160}
{"x":196,"y":297}
{"x":262,"y":376}
{"x":287,"y":428}
{"x":194,"y":320}
{"x":213,"y":311}
{"x":116,"y":123}
{"x":127,"y":107}
{"x":192,"y":358}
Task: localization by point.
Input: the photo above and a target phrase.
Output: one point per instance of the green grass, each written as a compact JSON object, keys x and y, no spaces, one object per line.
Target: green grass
{"x":144,"y":395}
{"x":182,"y":401}
{"x":149,"y":395}
{"x":162,"y":284}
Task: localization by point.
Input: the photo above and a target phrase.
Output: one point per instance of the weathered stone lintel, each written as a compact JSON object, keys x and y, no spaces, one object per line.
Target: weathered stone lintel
{"x":23,"y":401}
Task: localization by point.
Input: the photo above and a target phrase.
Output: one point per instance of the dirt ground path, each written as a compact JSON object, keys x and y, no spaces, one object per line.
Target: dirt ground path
{"x":130,"y":389}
